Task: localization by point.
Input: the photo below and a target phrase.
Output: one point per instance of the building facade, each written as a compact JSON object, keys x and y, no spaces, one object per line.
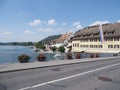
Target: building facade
{"x":88,"y":39}
{"x":62,"y":40}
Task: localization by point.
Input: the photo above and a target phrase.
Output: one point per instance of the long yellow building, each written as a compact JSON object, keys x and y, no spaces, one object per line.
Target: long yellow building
{"x":88,"y":39}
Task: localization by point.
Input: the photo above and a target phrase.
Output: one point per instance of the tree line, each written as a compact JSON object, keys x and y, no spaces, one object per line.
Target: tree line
{"x":18,"y":43}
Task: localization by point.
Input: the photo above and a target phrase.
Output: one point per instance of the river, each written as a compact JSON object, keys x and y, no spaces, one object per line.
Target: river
{"x":9,"y":54}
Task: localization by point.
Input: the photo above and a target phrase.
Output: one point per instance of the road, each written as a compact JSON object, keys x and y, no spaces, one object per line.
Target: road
{"x":99,"y":75}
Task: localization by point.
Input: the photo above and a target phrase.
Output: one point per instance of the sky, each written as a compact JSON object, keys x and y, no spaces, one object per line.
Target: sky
{"x":34,"y":20}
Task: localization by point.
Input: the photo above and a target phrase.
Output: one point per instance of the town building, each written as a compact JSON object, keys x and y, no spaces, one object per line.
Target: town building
{"x":62,"y":41}
{"x":88,"y":39}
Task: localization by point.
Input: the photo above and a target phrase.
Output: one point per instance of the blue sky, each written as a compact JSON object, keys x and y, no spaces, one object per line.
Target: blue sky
{"x":33,"y":20}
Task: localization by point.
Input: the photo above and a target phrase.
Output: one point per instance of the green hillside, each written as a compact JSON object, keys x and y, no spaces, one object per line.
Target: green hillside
{"x":50,"y":38}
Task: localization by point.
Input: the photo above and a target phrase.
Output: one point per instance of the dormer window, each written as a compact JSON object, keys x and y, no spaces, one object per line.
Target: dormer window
{"x":104,"y":33}
{"x":110,"y":33}
{"x":96,"y":33}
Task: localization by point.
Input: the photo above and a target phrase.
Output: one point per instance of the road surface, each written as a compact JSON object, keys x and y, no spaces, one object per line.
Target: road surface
{"x":98,"y":75}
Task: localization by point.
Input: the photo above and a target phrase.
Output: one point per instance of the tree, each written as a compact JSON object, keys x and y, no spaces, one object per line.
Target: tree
{"x":39,"y":45}
{"x":42,"y":47}
{"x":61,"y":49}
{"x":54,"y":48}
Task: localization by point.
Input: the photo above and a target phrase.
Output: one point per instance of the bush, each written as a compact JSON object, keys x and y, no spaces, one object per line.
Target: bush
{"x":61,"y":49}
{"x":92,"y":56}
{"x":23,"y":58}
{"x":39,"y":45}
{"x":42,"y":47}
{"x":41,"y":57}
{"x":54,"y":48}
{"x":97,"y":55}
{"x":69,"y":56}
{"x":78,"y":56}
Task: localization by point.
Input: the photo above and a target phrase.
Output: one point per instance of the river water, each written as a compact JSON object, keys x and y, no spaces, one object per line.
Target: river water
{"x":9,"y":54}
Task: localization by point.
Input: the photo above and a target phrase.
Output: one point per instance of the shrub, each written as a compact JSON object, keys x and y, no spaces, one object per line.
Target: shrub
{"x":97,"y":55}
{"x":41,"y":57}
{"x":69,"y":56}
{"x":78,"y":56}
{"x":92,"y":56}
{"x":39,"y":45}
{"x":54,"y":48}
{"x":61,"y":49}
{"x":23,"y":58}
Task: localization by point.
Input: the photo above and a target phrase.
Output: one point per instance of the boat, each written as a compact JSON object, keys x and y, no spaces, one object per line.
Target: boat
{"x":57,"y":55}
{"x":35,"y":49}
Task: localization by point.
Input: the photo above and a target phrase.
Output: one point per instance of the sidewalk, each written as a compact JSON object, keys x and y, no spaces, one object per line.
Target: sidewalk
{"x":10,"y":67}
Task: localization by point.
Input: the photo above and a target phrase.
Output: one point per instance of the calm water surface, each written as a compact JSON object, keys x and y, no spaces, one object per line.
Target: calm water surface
{"x":9,"y":54}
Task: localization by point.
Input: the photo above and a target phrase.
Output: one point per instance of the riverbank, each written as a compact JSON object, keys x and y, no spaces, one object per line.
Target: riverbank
{"x":11,"y":67}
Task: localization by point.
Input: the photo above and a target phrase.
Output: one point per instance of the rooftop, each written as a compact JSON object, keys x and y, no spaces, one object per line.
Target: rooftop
{"x":109,"y":30}
{"x":63,"y":37}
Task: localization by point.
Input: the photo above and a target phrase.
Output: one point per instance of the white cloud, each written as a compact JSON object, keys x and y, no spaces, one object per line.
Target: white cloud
{"x":28,"y":32}
{"x":45,"y":29}
{"x":118,"y":21}
{"x":52,"y":22}
{"x":35,"y":22}
{"x":99,"y":22}
{"x":77,"y":25}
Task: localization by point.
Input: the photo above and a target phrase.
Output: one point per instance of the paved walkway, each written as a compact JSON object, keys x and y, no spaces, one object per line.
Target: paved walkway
{"x":10,"y":67}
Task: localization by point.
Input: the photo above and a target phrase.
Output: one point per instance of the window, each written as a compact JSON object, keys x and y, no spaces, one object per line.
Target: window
{"x":116,"y":46}
{"x":100,"y":46}
{"x":86,"y":46}
{"x":80,"y":45}
{"x":108,"y":38}
{"x":116,"y":38}
{"x":73,"y":44}
{"x":91,"y":39}
{"x":83,"y":45}
{"x":111,"y":38}
{"x":105,"y":39}
{"x":95,"y":46}
{"x":110,"y":33}
{"x":96,"y":34}
{"x":104,"y":33}
{"x":91,"y":46}
{"x":95,"y":39}
{"x":110,"y":46}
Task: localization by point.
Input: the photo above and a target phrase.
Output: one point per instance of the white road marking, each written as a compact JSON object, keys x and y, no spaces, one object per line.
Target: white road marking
{"x":72,"y":76}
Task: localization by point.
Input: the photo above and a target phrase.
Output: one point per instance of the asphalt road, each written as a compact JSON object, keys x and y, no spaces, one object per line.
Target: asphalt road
{"x":99,"y":75}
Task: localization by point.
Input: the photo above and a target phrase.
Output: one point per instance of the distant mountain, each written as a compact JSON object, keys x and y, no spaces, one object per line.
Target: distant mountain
{"x":50,"y":38}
